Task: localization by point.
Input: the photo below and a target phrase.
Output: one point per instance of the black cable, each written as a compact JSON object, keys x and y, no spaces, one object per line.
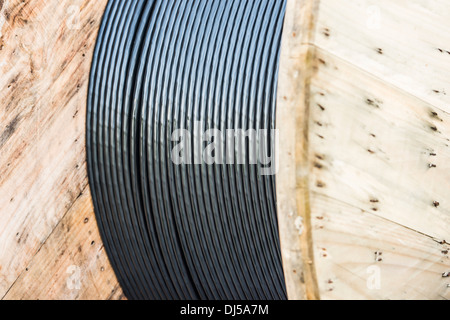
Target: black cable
{"x":185,"y":231}
{"x":92,"y":142}
{"x":113,"y":190}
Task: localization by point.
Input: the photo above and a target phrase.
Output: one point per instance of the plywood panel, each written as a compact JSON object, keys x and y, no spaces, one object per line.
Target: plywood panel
{"x":379,"y":149}
{"x":364,"y":123}
{"x":72,"y":264}
{"x":404,"y":42}
{"x":363,"y":256}
{"x":45,"y":54}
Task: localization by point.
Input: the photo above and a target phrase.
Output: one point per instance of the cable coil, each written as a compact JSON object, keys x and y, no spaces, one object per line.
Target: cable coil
{"x":192,"y":230}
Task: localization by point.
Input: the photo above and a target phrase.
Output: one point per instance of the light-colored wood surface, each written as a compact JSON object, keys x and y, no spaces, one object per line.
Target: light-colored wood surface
{"x":71,"y":264}
{"x":405,"y":43}
{"x":45,"y":57}
{"x":294,"y":214}
{"x":377,"y":149}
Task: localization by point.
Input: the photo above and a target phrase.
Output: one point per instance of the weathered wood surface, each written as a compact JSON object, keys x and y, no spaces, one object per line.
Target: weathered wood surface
{"x":45,"y":55}
{"x":71,"y":264}
{"x":376,"y":140}
{"x":294,"y":214}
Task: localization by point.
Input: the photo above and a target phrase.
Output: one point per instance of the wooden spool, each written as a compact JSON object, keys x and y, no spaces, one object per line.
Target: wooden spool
{"x":364,"y":120}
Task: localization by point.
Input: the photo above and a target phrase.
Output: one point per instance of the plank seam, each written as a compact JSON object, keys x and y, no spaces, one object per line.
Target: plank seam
{"x":381,"y":217}
{"x":377,"y":78}
{"x":46,"y":239}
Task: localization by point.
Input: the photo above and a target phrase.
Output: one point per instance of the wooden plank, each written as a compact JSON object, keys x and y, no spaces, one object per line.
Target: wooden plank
{"x":405,"y":42}
{"x":363,"y":256}
{"x":45,"y":57}
{"x":364,"y":123}
{"x":72,"y":264}
{"x":383,"y":150}
{"x":380,"y":183}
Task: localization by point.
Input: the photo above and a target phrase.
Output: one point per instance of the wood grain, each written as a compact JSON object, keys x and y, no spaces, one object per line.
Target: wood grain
{"x":363,"y":256}
{"x":294,"y":212}
{"x":373,"y":189}
{"x":72,"y":264}
{"x":364,"y":123}
{"x":45,"y":57}
{"x":404,"y":43}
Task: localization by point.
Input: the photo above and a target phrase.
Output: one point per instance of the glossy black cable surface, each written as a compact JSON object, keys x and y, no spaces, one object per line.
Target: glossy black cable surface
{"x":187,"y":231}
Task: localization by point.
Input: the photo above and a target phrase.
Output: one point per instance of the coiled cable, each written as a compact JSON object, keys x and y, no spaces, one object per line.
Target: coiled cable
{"x":185,"y":231}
